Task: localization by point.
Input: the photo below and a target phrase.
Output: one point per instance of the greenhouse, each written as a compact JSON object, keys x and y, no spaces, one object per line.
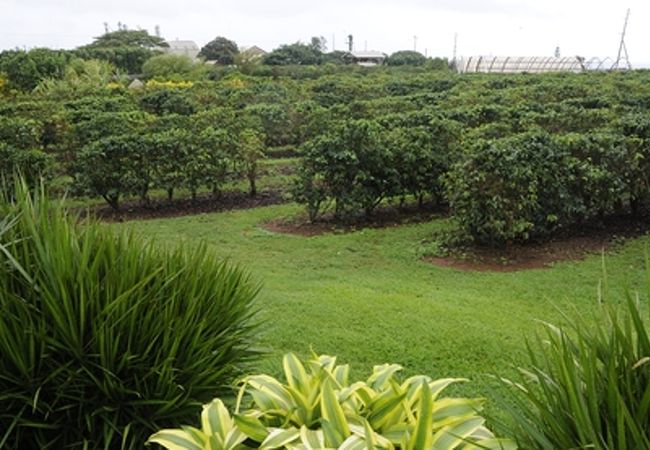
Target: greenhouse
{"x":520,"y":64}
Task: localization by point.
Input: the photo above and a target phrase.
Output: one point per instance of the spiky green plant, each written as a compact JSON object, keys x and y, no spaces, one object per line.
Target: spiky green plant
{"x":588,"y":386}
{"x":105,"y":338}
{"x":317,"y":408}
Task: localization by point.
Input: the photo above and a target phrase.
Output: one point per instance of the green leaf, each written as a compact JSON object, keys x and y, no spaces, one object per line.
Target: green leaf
{"x":215,"y":419}
{"x":381,"y":374}
{"x":449,"y":437}
{"x":491,"y":444}
{"x":450,"y":409}
{"x":385,"y":407}
{"x":312,"y":439}
{"x":251,"y":426}
{"x":278,"y":438}
{"x":422,"y":436}
{"x":295,"y":372}
{"x":233,"y":439}
{"x":176,"y":440}
{"x":354,"y":442}
{"x":333,"y":437}
{"x":332,"y":412}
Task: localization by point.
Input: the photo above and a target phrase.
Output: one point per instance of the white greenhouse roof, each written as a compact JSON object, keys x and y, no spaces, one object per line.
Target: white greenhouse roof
{"x":520,"y":64}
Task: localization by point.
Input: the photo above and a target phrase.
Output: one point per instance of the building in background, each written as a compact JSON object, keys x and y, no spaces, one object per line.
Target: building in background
{"x":253,"y":52}
{"x":520,"y":64}
{"x":178,"y":47}
{"x":367,"y":58}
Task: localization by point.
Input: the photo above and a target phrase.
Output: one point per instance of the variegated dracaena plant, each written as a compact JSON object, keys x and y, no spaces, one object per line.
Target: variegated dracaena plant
{"x":317,"y":408}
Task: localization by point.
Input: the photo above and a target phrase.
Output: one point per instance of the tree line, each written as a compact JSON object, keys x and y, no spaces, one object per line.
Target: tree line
{"x":138,"y":52}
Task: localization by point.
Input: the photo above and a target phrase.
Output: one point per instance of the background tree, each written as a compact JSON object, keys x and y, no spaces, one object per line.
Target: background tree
{"x":251,"y":150}
{"x":319,"y":43}
{"x":126,"y":49}
{"x":406,"y":58}
{"x":128,"y":38}
{"x":336,"y":57}
{"x":221,"y":50}
{"x":21,"y":150}
{"x":439,"y":64}
{"x":81,"y":77}
{"x":298,"y":54}
{"x":166,"y":66}
{"x":167,"y":101}
{"x":26,"y":69}
{"x":247,"y":62}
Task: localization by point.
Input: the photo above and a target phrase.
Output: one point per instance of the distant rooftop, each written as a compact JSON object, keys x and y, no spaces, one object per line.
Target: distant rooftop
{"x":253,"y":51}
{"x":178,"y":44}
{"x":182,"y":47}
{"x":368,"y":54}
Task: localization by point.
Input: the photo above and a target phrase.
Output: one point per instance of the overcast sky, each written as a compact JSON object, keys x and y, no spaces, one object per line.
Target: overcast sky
{"x":484,"y":27}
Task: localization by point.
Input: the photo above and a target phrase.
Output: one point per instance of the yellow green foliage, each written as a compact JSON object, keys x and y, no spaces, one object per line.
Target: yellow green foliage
{"x":235,"y":83}
{"x":154,"y":84}
{"x":113,"y":85}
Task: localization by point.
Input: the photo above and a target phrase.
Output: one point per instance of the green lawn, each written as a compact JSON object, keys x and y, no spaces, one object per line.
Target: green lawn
{"x":368,"y":298}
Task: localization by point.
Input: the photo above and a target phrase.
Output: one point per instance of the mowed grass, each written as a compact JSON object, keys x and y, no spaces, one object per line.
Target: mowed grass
{"x":368,"y":298}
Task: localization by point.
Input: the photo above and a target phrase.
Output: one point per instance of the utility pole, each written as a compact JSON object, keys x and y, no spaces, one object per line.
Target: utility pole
{"x":415,"y":43}
{"x":622,"y":48}
{"x":453,"y":59}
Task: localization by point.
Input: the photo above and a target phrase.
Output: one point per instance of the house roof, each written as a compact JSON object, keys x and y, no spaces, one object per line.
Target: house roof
{"x":368,"y":54}
{"x":254,"y":50}
{"x":182,"y":45}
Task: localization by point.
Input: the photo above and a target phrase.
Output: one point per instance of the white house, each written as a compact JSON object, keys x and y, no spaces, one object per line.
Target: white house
{"x":367,"y":58}
{"x":178,"y":47}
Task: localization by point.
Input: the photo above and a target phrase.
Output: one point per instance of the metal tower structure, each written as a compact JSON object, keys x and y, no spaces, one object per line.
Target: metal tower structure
{"x":622,"y":50}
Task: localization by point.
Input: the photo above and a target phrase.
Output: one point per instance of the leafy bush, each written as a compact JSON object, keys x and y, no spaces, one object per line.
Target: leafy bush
{"x":109,"y":168}
{"x":353,"y":164}
{"x":588,"y":386}
{"x":21,"y":151}
{"x":105,"y":339}
{"x":167,"y":101}
{"x":317,"y":407}
{"x":510,"y":189}
{"x":406,"y":58}
{"x":168,"y":65}
{"x":531,"y":184}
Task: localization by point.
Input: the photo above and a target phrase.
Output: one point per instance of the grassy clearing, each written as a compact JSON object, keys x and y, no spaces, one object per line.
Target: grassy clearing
{"x":366,"y":296}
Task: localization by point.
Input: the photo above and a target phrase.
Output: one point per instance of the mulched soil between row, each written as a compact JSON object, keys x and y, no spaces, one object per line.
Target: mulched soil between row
{"x":160,"y":209}
{"x":387,"y":217}
{"x":573,"y":244}
{"x":570,"y":245}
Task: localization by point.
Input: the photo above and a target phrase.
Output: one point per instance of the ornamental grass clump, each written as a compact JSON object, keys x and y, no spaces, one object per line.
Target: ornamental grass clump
{"x":105,"y":338}
{"x":588,"y":386}
{"x":318,"y":408}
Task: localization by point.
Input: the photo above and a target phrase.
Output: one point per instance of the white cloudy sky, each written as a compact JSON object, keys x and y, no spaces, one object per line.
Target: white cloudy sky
{"x":491,"y":27}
